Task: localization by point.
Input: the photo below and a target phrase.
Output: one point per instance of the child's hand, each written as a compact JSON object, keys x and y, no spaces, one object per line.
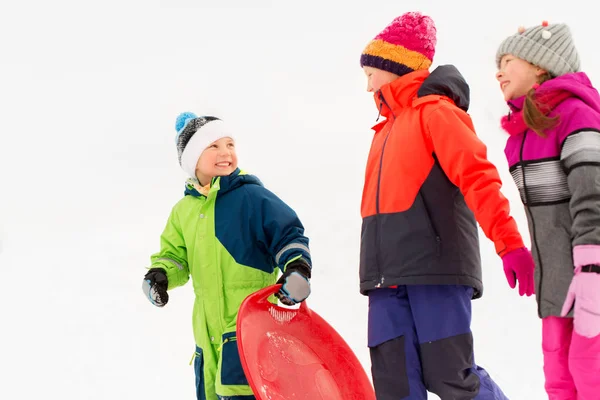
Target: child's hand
{"x":296,"y":284}
{"x":518,"y":267}
{"x":584,"y":293}
{"x":155,"y":287}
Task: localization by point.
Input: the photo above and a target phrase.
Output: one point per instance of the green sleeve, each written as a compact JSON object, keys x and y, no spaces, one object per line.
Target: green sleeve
{"x":172,"y":256}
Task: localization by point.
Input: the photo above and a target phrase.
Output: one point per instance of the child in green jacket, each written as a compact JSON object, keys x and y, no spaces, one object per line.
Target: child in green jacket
{"x":230,"y":234}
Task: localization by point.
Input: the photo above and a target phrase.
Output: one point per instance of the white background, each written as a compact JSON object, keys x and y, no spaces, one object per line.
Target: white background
{"x":89,"y":92}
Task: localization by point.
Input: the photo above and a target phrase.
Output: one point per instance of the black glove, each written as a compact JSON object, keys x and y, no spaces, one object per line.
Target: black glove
{"x":155,"y":287}
{"x":296,"y":284}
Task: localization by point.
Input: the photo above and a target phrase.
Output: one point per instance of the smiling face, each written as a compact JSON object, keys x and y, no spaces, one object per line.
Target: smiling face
{"x":218,"y":159}
{"x":517,"y":76}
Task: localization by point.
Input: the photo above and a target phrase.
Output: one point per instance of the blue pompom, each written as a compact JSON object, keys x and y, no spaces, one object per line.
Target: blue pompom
{"x":182,"y":119}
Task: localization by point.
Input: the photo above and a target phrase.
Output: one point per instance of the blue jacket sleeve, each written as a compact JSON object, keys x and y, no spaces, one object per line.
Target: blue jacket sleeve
{"x":279,"y":229}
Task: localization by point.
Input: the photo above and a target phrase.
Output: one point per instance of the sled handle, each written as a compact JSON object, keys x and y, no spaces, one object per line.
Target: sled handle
{"x":262,"y":296}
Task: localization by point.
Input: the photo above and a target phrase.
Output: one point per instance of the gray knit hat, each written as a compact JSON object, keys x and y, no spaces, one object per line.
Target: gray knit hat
{"x":548,"y":46}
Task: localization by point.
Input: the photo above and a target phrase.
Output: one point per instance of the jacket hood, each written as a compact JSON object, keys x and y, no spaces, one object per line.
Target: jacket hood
{"x":577,"y":84}
{"x":447,"y":81}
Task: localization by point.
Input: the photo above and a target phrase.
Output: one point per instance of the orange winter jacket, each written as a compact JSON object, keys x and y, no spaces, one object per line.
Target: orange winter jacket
{"x":427,"y":182}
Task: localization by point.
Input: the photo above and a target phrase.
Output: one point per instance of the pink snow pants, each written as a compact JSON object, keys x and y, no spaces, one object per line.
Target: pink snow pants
{"x":571,"y":361}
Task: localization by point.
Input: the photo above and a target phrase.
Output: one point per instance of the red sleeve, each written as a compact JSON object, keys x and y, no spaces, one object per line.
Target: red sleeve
{"x":463,"y":157}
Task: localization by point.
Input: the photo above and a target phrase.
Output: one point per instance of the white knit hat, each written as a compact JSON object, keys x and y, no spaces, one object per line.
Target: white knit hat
{"x":191,"y":140}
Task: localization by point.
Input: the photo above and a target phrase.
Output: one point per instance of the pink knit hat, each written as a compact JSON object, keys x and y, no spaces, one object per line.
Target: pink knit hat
{"x":405,"y":45}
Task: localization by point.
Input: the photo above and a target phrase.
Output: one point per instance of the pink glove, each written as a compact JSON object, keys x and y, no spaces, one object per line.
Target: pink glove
{"x":584,"y":291}
{"x":518,"y":266}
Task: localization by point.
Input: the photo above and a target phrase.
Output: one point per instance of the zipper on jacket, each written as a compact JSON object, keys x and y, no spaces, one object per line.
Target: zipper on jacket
{"x":382,"y":151}
{"x":379,"y":271}
{"x":229,"y":339}
{"x":534,"y":238}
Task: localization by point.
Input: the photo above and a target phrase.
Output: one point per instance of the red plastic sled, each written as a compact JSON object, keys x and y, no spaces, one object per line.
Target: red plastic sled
{"x":294,"y":354}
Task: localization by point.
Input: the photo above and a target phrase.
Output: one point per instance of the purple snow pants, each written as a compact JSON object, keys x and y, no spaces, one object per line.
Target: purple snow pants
{"x":420,"y":340}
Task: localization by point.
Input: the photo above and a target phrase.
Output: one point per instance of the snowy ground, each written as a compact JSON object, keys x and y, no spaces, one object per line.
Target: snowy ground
{"x":89,"y":95}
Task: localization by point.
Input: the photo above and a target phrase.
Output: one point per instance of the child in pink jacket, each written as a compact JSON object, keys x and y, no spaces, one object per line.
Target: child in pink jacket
{"x":554,"y":156}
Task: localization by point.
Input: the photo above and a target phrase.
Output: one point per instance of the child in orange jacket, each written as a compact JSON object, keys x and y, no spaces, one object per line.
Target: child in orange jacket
{"x":428,"y":182}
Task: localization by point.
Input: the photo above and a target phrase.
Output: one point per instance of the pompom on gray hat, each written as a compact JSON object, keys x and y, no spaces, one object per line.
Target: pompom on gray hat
{"x":548,"y":46}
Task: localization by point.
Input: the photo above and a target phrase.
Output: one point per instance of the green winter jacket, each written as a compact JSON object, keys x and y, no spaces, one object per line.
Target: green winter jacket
{"x":230,"y":242}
